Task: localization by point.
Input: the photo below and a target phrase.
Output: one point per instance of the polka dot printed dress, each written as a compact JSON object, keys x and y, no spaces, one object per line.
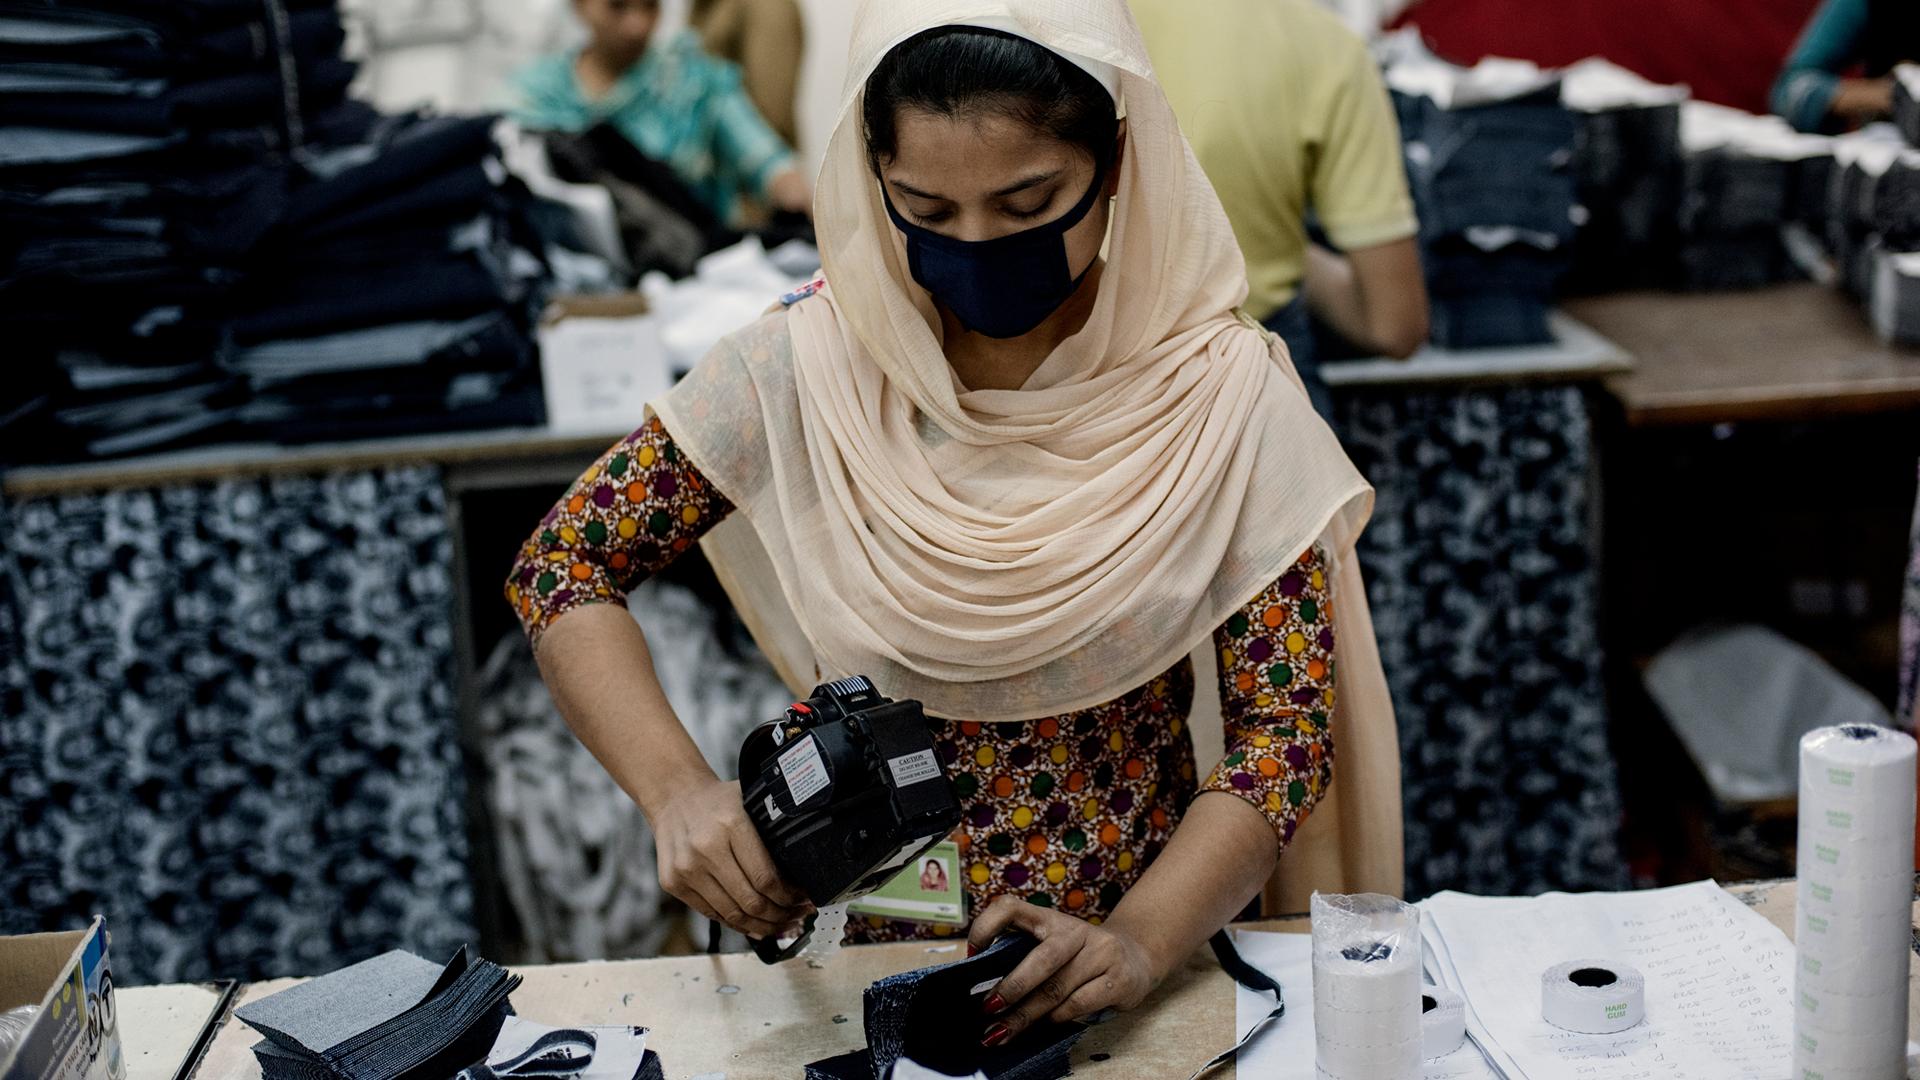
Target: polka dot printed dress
{"x":1065,"y":812}
{"x":625,"y":519}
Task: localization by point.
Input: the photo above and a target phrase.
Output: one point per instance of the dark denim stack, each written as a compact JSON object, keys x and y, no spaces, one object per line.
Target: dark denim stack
{"x":1748,"y":180}
{"x":1874,"y":209}
{"x":1494,"y":187}
{"x":142,"y":153}
{"x":394,"y":1017}
{"x":1874,"y":232}
{"x":183,"y":181}
{"x":1730,"y":218}
{"x":1627,"y":166}
{"x":396,"y":295}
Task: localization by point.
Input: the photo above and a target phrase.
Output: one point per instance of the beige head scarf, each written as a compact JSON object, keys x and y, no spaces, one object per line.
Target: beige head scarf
{"x":1005,"y":555}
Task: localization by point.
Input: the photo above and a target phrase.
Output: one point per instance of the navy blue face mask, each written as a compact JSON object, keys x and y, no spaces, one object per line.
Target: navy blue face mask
{"x":1003,"y":287}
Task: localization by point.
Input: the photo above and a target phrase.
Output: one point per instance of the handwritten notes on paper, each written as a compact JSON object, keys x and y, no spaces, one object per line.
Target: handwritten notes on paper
{"x":1719,"y":982}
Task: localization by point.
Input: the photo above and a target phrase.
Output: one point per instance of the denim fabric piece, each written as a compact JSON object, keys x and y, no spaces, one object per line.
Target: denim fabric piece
{"x":393,"y":345}
{"x":223,"y":101}
{"x":448,"y":1031}
{"x":44,"y":33}
{"x":20,"y":79}
{"x":333,"y":1008}
{"x":400,"y":160}
{"x":1627,"y":166}
{"x":914,"y":1015}
{"x":25,"y":145}
{"x":454,"y":195}
{"x":395,"y":1017}
{"x":1504,"y":169}
{"x":144,"y":49}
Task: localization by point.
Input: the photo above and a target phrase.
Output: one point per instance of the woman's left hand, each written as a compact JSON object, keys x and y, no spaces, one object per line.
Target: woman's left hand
{"x":1076,"y":970}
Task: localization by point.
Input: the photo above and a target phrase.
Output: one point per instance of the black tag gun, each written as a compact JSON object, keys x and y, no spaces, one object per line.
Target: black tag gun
{"x":846,"y":790}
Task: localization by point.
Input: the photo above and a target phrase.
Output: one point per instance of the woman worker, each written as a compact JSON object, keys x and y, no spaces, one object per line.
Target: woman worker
{"x":1819,"y":90}
{"x":1018,"y":476}
{"x":672,"y":101}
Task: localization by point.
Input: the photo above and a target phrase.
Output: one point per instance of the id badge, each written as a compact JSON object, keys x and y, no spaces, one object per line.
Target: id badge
{"x":927,"y":890}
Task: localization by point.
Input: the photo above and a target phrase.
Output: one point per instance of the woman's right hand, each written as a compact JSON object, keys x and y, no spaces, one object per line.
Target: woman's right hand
{"x":711,"y":857}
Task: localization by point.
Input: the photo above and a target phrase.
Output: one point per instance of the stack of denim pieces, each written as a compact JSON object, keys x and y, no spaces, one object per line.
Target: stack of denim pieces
{"x":1873,"y":232}
{"x":394,"y":1017}
{"x":183,"y":182}
{"x":1489,"y":156}
{"x":1751,"y":183}
{"x":934,"y":1017}
{"x":1627,"y":166}
{"x":395,"y":295}
{"x":141,"y":154}
{"x":1874,"y":206}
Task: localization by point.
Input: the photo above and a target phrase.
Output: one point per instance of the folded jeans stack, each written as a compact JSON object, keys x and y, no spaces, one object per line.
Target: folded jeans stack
{"x":1627,"y":167}
{"x":1493,"y":184}
{"x":194,"y":221}
{"x":396,"y":295}
{"x":1747,"y":180}
{"x":141,"y":154}
{"x":394,"y":1017}
{"x":1873,"y":225}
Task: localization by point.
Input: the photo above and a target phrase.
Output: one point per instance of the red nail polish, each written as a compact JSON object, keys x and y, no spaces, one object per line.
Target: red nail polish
{"x":996,"y":1035}
{"x":972,"y":950}
{"x":994,"y":1004}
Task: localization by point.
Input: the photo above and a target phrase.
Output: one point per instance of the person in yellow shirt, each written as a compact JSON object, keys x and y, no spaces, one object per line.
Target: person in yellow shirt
{"x":766,"y":38}
{"x":1288,"y":114}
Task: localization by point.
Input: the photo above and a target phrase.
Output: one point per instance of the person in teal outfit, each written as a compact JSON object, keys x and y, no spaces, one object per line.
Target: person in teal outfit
{"x":674,"y":102}
{"x":1838,"y":74}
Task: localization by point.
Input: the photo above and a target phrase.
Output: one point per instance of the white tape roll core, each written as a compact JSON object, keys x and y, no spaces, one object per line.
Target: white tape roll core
{"x":1593,"y":997}
{"x":1443,"y":1022}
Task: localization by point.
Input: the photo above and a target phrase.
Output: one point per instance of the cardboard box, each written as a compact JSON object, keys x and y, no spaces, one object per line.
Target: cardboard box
{"x":76,"y":1035}
{"x":601,"y":361}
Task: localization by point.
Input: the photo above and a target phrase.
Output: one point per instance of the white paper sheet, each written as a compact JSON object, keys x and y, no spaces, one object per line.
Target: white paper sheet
{"x":617,"y":1051}
{"x":1719,"y":980}
{"x":1284,"y":1049}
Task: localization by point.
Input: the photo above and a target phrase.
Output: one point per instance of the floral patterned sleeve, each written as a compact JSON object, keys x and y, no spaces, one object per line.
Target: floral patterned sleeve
{"x":628,"y":516}
{"x":1276,"y":696}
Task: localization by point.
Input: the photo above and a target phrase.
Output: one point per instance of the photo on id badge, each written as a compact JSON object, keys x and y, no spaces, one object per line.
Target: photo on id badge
{"x":927,"y":890}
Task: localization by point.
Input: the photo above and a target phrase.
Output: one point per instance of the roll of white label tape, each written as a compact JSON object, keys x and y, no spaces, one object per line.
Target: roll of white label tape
{"x":1854,"y":903}
{"x":1366,"y":988}
{"x":1593,"y":997}
{"x":1443,"y":1022}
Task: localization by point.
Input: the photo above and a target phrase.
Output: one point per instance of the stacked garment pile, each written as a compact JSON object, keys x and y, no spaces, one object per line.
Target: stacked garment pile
{"x":142,"y":153}
{"x":396,"y":1015}
{"x":1627,"y":167}
{"x":1874,"y":229}
{"x":1756,"y":193}
{"x":1489,"y":157}
{"x":173,"y":171}
{"x":395,"y":295}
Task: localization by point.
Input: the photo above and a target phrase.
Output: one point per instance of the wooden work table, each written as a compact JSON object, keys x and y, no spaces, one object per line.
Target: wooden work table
{"x":734,"y":1016}
{"x":1790,"y":352}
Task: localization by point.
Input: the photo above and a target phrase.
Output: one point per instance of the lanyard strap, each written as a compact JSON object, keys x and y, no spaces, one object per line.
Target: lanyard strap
{"x":1253,"y":979}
